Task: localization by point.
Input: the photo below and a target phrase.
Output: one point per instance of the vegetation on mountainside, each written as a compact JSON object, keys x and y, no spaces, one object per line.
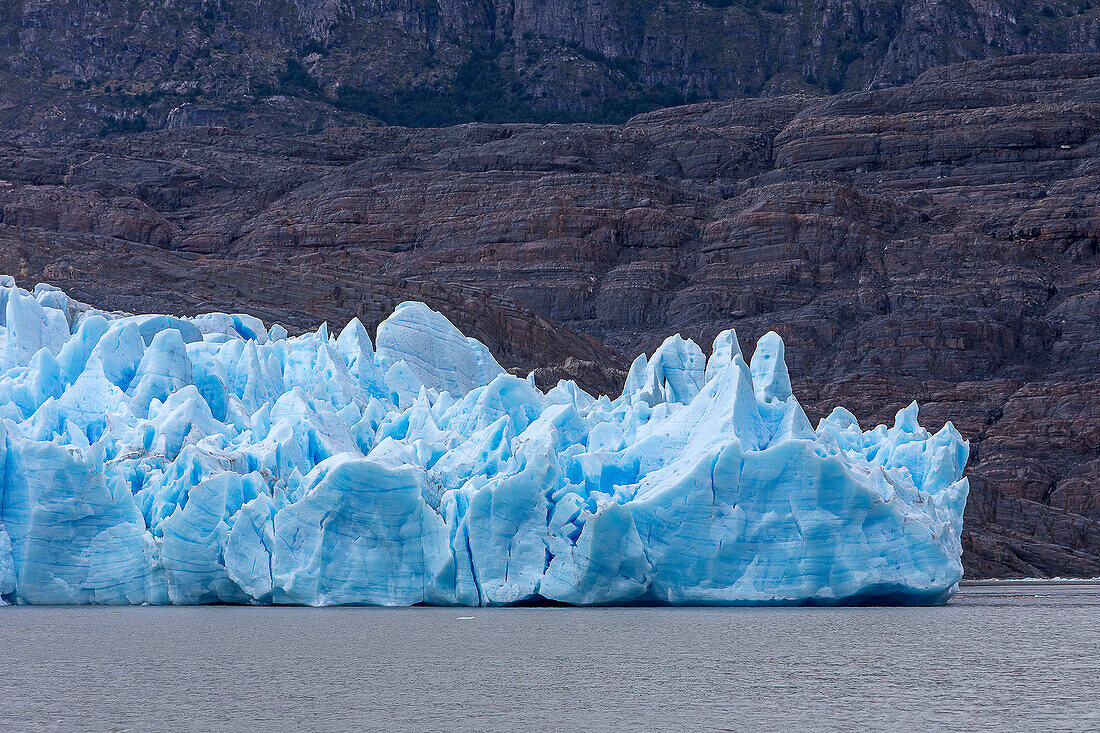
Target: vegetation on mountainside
{"x":481,"y":90}
{"x":114,"y":66}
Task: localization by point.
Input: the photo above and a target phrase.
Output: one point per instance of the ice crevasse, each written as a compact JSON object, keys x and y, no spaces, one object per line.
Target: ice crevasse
{"x":156,"y":459}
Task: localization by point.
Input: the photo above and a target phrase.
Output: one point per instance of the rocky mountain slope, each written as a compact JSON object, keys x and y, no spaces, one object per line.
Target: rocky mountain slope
{"x":937,"y":240}
{"x":72,"y":68}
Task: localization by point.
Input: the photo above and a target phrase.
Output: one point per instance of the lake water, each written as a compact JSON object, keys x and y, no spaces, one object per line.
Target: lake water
{"x":1022,"y":656}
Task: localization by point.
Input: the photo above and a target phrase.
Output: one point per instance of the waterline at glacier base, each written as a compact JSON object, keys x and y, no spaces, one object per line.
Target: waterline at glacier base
{"x":164,"y":460}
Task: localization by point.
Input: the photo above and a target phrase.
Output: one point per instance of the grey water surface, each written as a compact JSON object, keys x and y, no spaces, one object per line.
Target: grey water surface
{"x":1004,"y":656}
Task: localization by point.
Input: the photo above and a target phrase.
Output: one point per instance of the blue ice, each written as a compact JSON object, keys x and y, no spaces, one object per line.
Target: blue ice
{"x":156,"y":459}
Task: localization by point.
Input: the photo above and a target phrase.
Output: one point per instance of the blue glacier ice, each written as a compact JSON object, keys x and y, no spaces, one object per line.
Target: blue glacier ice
{"x":155,"y":459}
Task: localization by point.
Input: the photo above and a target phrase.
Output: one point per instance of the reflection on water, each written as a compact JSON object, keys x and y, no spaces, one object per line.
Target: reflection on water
{"x":1005,"y":655}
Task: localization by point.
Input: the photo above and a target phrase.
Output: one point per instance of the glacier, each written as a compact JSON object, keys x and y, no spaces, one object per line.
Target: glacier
{"x":153,"y":459}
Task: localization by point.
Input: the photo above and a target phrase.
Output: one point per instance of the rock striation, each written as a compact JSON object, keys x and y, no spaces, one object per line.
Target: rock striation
{"x":937,"y":240}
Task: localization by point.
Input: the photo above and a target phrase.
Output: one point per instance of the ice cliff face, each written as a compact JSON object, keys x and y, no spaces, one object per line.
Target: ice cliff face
{"x":153,"y":459}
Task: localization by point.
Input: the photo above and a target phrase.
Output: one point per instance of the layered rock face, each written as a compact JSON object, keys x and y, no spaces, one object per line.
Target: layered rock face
{"x":938,"y":240}
{"x":69,"y":68}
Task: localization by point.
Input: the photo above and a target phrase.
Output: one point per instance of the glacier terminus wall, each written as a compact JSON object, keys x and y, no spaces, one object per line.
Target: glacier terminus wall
{"x":156,"y":459}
